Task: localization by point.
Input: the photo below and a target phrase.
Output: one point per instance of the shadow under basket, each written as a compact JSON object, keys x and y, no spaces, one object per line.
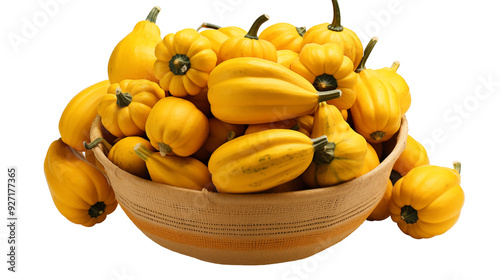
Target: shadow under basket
{"x":248,"y":229}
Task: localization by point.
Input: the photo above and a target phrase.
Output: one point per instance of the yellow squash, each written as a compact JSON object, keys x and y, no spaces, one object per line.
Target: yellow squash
{"x":176,"y":127}
{"x":134,"y":56}
{"x":259,"y":161}
{"x":77,"y":117}
{"x":79,"y":190}
{"x":336,"y":33}
{"x":248,"y":90}
{"x":399,"y":85}
{"x":427,"y":201}
{"x":286,"y":57}
{"x":344,"y":155}
{"x":183,"y":62}
{"x":284,"y":36}
{"x":326,"y":67}
{"x":376,"y":113}
{"x":219,"y":133}
{"x":249,"y":45}
{"x":182,"y":172}
{"x":123,"y":155}
{"x":413,"y":155}
{"x":126,"y":107}
{"x":218,"y":35}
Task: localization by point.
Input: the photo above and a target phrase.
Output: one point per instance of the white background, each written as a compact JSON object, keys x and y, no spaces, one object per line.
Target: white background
{"x":449,"y":57}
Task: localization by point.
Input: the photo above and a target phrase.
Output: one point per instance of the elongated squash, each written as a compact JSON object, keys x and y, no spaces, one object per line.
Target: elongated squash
{"x":79,"y":190}
{"x":259,"y":161}
{"x":248,"y":90}
{"x":77,"y":117}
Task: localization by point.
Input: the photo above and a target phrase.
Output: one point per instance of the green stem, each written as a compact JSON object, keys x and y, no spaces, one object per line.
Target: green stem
{"x":366,"y":54}
{"x":96,"y":142}
{"x":457,"y":166}
{"x":123,"y":99}
{"x":336,"y":26}
{"x":301,"y":30}
{"x":325,"y":82}
{"x":325,"y":155}
{"x":377,"y":135}
{"x":97,"y":209}
{"x":409,"y":214}
{"x":143,"y":152}
{"x":164,"y":149}
{"x":153,"y":14}
{"x":319,"y":143}
{"x":329,"y":95}
{"x":231,"y":135}
{"x":208,"y":25}
{"x":252,"y":33}
{"x":179,"y":64}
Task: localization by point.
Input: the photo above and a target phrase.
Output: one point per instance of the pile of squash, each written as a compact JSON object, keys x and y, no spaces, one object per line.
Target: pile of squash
{"x":234,"y":111}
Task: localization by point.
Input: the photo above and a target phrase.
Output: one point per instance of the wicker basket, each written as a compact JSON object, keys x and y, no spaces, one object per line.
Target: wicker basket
{"x":248,"y":229}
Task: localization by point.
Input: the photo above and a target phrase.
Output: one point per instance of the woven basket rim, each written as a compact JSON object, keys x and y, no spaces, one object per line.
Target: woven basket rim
{"x":96,"y":132}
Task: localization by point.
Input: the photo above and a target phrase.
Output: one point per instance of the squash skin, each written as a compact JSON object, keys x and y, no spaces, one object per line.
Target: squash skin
{"x":336,"y":33}
{"x":133,"y":57}
{"x":176,"y":127}
{"x":399,"y":84}
{"x":219,"y":133}
{"x":286,"y":57}
{"x":284,"y":36}
{"x":216,"y":39}
{"x":435,"y":197}
{"x":123,"y":155}
{"x":76,"y":185}
{"x":348,"y":154}
{"x":181,"y":172}
{"x":413,"y":155}
{"x":259,"y":161}
{"x":183,"y":62}
{"x":318,"y":61}
{"x":129,"y":120}
{"x":376,"y":113}
{"x":77,"y":117}
{"x":249,"y":45}
{"x":249,"y":90}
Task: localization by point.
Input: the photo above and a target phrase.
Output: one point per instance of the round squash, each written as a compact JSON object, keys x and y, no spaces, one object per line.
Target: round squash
{"x":284,"y":36}
{"x":399,"y":84}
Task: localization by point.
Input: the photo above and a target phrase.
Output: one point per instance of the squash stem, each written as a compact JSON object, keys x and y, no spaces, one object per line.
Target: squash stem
{"x":325,"y":155}
{"x":123,"y":99}
{"x":97,"y":209}
{"x":336,"y":25}
{"x":409,"y":214}
{"x":164,"y":149}
{"x":143,"y":152}
{"x":179,"y":64}
{"x":208,"y":25}
{"x":301,"y":30}
{"x":329,"y":95}
{"x":457,"y":166}
{"x":366,"y":54}
{"x":395,"y":66}
{"x":231,"y":135}
{"x":252,"y":33}
{"x":153,"y":14}
{"x":377,"y":135}
{"x":319,"y":143}
{"x":93,"y":144}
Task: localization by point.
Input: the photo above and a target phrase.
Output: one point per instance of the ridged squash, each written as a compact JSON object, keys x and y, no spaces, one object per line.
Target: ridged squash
{"x":336,"y":33}
{"x":412,"y":156}
{"x":182,"y":172}
{"x":176,"y":127}
{"x":344,"y":155}
{"x":230,"y":31}
{"x":134,"y":56}
{"x":284,"y":36}
{"x":77,"y":117}
{"x":286,"y":57}
{"x":399,"y":84}
{"x":428,"y":200}
{"x":79,"y":190}
{"x":259,"y":161}
{"x":376,"y":113}
{"x":248,"y":90}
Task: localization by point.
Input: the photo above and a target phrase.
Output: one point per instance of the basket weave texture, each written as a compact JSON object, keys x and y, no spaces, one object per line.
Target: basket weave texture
{"x":248,"y":229}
